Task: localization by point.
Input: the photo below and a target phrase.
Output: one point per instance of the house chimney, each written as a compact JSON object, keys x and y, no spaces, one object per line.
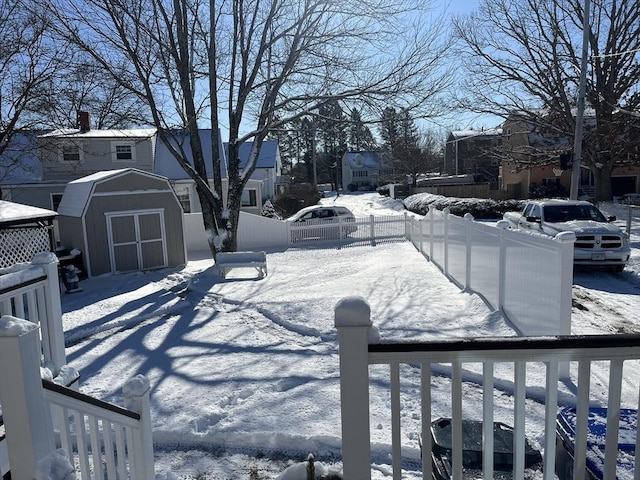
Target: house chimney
{"x":83,"y":121}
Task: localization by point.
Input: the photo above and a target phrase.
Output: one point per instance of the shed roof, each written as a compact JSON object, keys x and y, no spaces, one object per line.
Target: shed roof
{"x":78,"y":192}
{"x":18,"y":214}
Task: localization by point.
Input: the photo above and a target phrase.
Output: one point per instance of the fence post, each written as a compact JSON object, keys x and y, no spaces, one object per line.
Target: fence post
{"x":136,"y":398}
{"x":353,"y":321}
{"x":430,"y":213}
{"x":503,"y":225}
{"x":372,"y":226}
{"x":26,"y":415}
{"x":55,"y":331}
{"x":468,"y":241}
{"x":445,"y":218}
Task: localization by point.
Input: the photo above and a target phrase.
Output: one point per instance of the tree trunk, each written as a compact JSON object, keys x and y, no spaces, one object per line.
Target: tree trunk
{"x":602,"y":177}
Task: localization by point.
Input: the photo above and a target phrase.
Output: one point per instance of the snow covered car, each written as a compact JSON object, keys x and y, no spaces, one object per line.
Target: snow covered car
{"x":566,"y":428}
{"x":320,"y":222}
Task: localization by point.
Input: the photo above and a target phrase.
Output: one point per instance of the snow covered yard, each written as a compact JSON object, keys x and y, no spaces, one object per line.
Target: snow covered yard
{"x":244,"y":371}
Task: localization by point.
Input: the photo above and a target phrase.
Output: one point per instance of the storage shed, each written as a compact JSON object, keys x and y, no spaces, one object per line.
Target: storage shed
{"x":123,"y":220}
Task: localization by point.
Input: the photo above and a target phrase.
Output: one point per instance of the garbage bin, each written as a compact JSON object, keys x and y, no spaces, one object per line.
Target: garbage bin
{"x":596,"y":440}
{"x":472,"y":450}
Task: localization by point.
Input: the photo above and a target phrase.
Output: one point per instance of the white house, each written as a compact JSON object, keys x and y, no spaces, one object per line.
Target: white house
{"x":362,"y":170}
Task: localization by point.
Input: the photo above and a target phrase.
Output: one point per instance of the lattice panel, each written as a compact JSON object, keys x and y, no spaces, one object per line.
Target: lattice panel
{"x":21,"y":244}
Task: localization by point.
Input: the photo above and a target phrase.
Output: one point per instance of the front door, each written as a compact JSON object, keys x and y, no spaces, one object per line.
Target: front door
{"x":137,"y":240}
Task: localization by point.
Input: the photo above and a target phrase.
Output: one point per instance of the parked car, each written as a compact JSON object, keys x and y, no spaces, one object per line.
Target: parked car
{"x":322,"y":222}
{"x":472,"y":450}
{"x":599,"y":242}
{"x":630,"y":199}
{"x":596,"y":439}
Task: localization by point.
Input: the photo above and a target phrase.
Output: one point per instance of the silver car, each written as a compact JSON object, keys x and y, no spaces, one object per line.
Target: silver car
{"x":322,"y":223}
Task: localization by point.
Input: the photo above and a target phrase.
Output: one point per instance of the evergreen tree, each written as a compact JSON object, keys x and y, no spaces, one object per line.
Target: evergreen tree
{"x":360,"y":137}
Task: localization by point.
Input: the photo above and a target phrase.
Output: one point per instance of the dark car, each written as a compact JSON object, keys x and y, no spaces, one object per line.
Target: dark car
{"x":472,"y":450}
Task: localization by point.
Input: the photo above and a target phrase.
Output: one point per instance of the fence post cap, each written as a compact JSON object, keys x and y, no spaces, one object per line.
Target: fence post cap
{"x":503,"y":224}
{"x":44,"y":258}
{"x":469,"y":216}
{"x":136,"y":386}
{"x":11,"y":326}
{"x":352,"y":312}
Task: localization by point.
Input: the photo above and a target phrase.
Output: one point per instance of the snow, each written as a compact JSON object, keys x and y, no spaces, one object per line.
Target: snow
{"x":244,"y":372}
{"x":14,"y":327}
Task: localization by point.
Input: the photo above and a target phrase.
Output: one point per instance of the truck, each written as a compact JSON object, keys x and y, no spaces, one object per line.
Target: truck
{"x":599,"y":242}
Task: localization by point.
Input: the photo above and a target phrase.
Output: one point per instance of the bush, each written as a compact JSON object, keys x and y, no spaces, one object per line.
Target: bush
{"x":481,"y":209}
{"x":299,"y":196}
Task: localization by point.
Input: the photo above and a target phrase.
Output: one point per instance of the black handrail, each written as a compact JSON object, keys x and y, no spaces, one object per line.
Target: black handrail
{"x":54,"y":387}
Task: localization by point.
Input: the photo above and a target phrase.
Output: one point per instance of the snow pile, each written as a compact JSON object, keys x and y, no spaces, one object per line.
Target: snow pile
{"x":55,"y":466}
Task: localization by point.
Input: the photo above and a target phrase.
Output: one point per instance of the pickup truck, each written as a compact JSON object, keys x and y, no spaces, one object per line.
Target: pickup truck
{"x":598,"y":241}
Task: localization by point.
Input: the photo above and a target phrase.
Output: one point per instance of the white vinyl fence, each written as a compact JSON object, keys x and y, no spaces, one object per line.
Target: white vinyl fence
{"x":527,"y":277}
{"x":257,"y":233}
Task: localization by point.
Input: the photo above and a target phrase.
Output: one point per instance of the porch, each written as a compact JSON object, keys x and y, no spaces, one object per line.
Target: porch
{"x":597,"y":367}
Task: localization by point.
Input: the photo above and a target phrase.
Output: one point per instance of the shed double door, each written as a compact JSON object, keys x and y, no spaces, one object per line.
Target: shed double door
{"x":137,"y":240}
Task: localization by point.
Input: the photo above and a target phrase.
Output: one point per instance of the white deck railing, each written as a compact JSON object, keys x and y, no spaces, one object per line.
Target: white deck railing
{"x":32,"y":291}
{"x":100,"y":440}
{"x":590,"y":355}
{"x":105,"y":441}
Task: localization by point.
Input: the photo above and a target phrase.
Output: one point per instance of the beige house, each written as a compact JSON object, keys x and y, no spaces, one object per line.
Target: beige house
{"x":531,"y":164}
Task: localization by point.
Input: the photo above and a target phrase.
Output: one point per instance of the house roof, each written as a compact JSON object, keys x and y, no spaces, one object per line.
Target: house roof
{"x":363,"y":159}
{"x":19,"y":162}
{"x":78,"y":192}
{"x":18,"y":214}
{"x":75,"y":133}
{"x":166,"y":164}
{"x":463,"y":134}
{"x":268,"y":156}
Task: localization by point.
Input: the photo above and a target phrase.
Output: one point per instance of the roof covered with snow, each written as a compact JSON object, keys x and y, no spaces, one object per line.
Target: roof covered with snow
{"x":363,"y":159}
{"x":16,"y":213}
{"x":76,"y":133}
{"x":78,"y":192}
{"x":463,"y":134}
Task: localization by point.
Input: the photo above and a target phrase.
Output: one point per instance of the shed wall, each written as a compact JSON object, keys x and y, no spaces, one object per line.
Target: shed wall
{"x":96,"y":223}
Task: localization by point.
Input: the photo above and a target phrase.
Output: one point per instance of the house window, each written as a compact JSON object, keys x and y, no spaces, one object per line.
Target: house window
{"x":55,"y":201}
{"x":249,"y":198}
{"x":361,"y":173}
{"x":70,"y":152}
{"x":123,"y":151}
{"x":182,"y":192}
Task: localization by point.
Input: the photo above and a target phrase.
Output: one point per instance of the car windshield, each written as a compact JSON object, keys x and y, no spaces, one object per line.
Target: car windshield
{"x":566,"y":213}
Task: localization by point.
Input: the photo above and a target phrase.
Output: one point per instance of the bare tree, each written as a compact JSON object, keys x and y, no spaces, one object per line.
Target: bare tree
{"x":523,"y":59}
{"x":28,"y":60}
{"x":191,"y":60}
{"x":84,"y":86}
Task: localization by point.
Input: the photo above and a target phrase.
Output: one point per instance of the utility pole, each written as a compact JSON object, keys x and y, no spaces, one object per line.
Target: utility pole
{"x":577,"y":141}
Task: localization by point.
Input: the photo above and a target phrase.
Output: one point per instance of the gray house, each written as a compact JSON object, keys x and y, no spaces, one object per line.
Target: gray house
{"x":122,"y":220}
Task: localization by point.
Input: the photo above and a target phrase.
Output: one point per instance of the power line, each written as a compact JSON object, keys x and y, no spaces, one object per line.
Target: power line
{"x":616,"y":54}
